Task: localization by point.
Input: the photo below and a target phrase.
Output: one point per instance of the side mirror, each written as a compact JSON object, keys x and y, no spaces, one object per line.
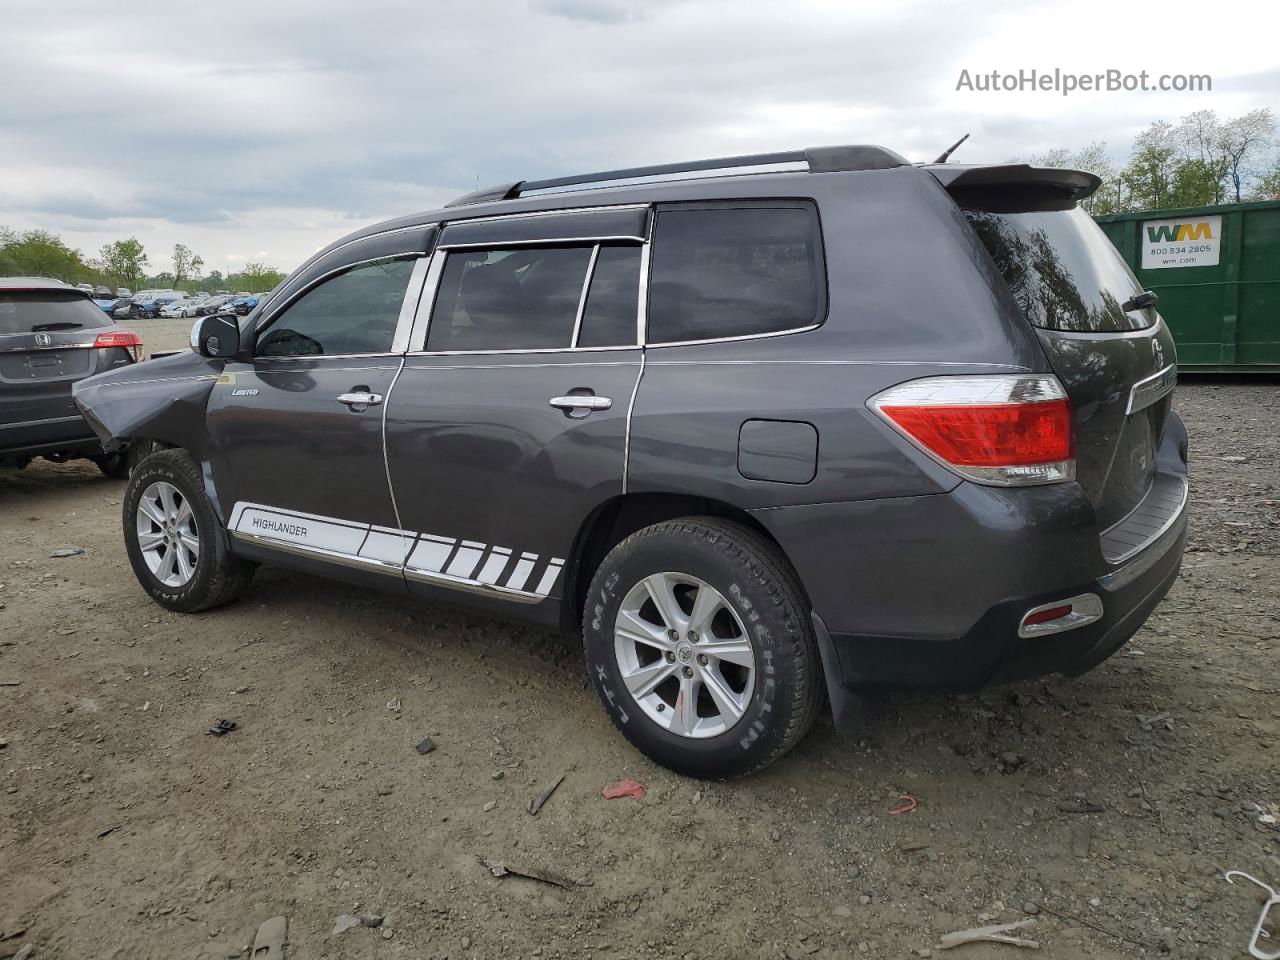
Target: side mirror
{"x":216,"y":336}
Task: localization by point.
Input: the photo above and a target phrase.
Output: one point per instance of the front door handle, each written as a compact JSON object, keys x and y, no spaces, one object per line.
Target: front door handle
{"x":582,"y":402}
{"x":360,"y":398}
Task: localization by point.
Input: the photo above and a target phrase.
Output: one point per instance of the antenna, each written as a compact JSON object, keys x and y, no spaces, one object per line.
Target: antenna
{"x":951,"y":149}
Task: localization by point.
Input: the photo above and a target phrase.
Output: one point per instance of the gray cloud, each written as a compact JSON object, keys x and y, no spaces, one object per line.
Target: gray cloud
{"x":164,"y":118}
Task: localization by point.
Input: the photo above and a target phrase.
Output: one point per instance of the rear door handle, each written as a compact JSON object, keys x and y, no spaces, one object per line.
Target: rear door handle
{"x":584,"y":402}
{"x":360,"y":399}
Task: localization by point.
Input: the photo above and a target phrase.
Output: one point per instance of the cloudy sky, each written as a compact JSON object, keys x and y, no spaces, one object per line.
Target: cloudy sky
{"x":263,"y":129}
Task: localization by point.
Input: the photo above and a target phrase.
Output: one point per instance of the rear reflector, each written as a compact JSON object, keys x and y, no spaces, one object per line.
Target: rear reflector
{"x":1010,"y":430}
{"x":125,"y":339}
{"x":1061,"y":615}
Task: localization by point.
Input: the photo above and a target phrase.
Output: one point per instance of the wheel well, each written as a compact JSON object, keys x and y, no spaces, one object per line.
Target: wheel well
{"x":614,"y":521}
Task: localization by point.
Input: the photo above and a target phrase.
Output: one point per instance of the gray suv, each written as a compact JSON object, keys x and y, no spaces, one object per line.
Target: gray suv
{"x":763,"y":431}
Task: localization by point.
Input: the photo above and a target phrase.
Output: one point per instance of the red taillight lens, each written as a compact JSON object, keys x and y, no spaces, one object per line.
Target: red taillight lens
{"x":1005,"y":430}
{"x":998,"y":435}
{"x":126,"y":339}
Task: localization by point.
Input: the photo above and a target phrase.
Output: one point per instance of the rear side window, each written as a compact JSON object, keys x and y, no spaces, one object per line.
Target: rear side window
{"x":48,"y":311}
{"x":609,"y":316}
{"x":515,"y":299}
{"x":353,"y":312}
{"x":1062,"y":270}
{"x":732,"y":271}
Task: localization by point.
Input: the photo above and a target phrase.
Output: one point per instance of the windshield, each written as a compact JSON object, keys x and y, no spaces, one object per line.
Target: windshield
{"x":1062,"y":270}
{"x":48,"y":311}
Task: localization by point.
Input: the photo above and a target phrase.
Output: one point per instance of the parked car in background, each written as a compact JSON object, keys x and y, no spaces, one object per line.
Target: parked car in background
{"x":174,"y":308}
{"x":109,"y":304}
{"x":162,"y":300}
{"x":760,"y":441}
{"x":51,"y":337}
{"x":123,"y":292}
{"x":212,"y":305}
{"x":86,"y":287}
{"x":104,"y":293}
{"x":131,"y":308}
{"x":190,"y":307}
{"x":241,"y":305}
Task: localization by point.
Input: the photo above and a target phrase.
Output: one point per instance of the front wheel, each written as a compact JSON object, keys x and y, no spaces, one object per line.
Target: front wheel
{"x":173,"y":537}
{"x":699,"y":642}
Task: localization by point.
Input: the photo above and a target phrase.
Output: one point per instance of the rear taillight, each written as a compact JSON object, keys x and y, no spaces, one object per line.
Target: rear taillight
{"x":125,"y":339}
{"x":1012,"y":430}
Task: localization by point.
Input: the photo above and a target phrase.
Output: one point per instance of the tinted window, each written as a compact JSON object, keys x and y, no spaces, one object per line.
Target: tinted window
{"x":609,"y":318}
{"x":354,"y":312}
{"x":1062,"y":270}
{"x":734,"y":271}
{"x":48,"y":312}
{"x":521,"y":299}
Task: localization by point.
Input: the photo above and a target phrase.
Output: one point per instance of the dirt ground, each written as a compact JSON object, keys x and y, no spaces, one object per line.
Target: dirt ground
{"x":126,"y":832}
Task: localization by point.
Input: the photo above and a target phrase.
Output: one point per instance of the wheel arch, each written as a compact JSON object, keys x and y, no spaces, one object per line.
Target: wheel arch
{"x":616,"y":519}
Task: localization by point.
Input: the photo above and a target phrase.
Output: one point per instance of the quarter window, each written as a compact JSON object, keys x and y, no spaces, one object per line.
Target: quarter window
{"x":731,"y":271}
{"x":517,"y":299}
{"x":354,"y":312}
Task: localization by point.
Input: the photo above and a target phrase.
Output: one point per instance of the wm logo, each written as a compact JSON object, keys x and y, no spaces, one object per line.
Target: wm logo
{"x":1179,"y":232}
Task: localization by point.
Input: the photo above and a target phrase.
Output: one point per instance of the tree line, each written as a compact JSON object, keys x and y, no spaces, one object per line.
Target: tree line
{"x":1202,"y":159}
{"x":122,"y":263}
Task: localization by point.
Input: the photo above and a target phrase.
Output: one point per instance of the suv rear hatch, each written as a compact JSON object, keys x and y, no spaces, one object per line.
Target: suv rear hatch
{"x":1117,"y":365}
{"x":47,"y":342}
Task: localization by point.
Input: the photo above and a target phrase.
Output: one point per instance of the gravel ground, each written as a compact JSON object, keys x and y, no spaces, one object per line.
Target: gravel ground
{"x":126,"y":832}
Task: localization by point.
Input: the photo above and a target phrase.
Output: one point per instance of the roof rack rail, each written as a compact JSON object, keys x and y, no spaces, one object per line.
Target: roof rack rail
{"x":819,"y":159}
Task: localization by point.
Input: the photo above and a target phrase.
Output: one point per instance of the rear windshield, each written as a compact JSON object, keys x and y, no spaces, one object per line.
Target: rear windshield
{"x":48,"y":311}
{"x":1062,"y":270}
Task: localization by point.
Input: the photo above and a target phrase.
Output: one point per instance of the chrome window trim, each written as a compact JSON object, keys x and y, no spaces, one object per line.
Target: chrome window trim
{"x":642,"y":298}
{"x":582,"y":297}
{"x":734,"y":339}
{"x":426,"y":306}
{"x":426,"y":303}
{"x":528,"y":366}
{"x":409,"y":305}
{"x":548,"y":213}
{"x":261,"y":325}
{"x":553,"y":242}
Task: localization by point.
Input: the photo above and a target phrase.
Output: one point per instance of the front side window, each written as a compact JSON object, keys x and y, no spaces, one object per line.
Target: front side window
{"x":353,"y":312}
{"x":515,"y":299}
{"x":730,"y":271}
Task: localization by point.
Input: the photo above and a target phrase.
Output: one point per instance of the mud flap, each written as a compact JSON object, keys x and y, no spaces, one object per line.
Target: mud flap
{"x":848,"y":710}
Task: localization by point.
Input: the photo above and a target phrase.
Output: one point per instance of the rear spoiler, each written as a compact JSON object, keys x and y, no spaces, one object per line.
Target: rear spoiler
{"x":1013,"y":187}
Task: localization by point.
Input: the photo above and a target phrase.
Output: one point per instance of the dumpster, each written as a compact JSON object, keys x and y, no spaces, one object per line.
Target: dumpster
{"x":1217,"y":271}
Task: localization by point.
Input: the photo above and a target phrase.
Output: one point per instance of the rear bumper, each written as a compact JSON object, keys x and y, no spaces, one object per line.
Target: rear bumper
{"x":930,"y":591}
{"x":35,"y":437}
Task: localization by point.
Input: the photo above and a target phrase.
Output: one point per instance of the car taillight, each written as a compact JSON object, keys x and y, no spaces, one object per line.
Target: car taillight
{"x":1008,"y":430}
{"x":125,"y":339}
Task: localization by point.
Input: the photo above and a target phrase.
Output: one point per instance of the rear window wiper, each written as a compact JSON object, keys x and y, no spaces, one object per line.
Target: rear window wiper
{"x":1143,"y":300}
{"x":64,"y":325}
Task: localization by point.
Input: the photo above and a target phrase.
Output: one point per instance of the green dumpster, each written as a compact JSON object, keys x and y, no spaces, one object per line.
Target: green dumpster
{"x":1217,"y":271}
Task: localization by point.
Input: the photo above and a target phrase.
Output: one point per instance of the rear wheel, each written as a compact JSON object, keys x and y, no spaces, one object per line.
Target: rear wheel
{"x":699,"y":642}
{"x":173,"y":537}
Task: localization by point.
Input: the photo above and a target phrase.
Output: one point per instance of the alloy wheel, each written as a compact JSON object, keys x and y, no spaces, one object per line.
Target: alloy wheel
{"x":167,"y":534}
{"x":684,"y":655}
